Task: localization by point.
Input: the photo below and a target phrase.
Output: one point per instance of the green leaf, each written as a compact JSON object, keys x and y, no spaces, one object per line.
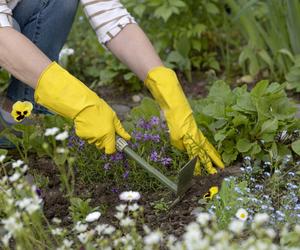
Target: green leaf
{"x":3,"y":151}
{"x":212,"y":8}
{"x":255,"y":149}
{"x":229,"y":157}
{"x":296,"y":147}
{"x":260,"y":88}
{"x":243,"y":145}
{"x":221,"y":91}
{"x":139,"y":10}
{"x":183,"y":45}
{"x":240,"y":120}
{"x":215,"y":110}
{"x":146,"y":109}
{"x":269,"y":126}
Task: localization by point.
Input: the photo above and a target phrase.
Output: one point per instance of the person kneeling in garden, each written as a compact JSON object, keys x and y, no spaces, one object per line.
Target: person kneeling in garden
{"x":32,"y":33}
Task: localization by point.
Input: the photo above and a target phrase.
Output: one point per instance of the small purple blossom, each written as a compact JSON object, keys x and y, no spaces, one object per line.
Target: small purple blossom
{"x":117,"y":157}
{"x":138,"y":136}
{"x":154,"y":156}
{"x":143,"y":124}
{"x":126,"y":174}
{"x":106,"y":166}
{"x":154,"y":121}
{"x":166,"y":161}
{"x":155,"y":138}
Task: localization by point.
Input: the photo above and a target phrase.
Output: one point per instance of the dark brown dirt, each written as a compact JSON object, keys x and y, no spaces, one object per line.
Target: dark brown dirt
{"x":171,"y":221}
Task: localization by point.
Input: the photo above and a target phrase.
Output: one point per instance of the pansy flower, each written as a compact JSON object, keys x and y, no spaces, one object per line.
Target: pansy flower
{"x":211,"y":193}
{"x":21,"y":110}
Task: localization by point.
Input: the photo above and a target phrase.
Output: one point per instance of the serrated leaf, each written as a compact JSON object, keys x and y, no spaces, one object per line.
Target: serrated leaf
{"x":296,"y":147}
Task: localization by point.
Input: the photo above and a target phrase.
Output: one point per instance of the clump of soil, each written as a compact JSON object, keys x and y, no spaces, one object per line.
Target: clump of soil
{"x":101,"y":194}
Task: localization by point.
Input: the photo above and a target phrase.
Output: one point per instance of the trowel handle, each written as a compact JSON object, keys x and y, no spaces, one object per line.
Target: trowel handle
{"x":122,"y":146}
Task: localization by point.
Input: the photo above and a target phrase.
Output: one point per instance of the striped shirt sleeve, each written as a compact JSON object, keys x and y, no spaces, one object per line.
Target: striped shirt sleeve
{"x":107,"y":17}
{"x":5,"y":14}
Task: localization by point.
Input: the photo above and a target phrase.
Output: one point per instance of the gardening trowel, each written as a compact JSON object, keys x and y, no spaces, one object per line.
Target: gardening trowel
{"x":185,"y":174}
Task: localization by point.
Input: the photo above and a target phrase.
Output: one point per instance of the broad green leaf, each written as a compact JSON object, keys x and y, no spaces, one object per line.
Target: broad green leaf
{"x":220,"y":136}
{"x":221,"y":91}
{"x":240,"y":120}
{"x":229,"y":157}
{"x":215,"y":110}
{"x":269,"y":126}
{"x":212,"y":8}
{"x":3,"y":151}
{"x":296,"y":147}
{"x":243,"y":145}
{"x":255,"y":149}
{"x":139,"y":10}
{"x":260,"y":88}
{"x":146,"y":109}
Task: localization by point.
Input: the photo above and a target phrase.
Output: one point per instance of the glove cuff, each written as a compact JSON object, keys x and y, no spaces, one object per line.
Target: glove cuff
{"x":163,"y":84}
{"x":62,"y":93}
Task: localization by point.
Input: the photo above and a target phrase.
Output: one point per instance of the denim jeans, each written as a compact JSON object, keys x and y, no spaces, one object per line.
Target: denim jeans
{"x":47,"y":24}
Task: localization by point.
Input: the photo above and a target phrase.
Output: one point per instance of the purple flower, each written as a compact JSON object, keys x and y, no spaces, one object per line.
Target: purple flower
{"x":147,"y":137}
{"x":154,"y":156}
{"x":125,"y":175}
{"x":138,"y":136}
{"x":166,"y":161}
{"x":143,"y":124}
{"x":116,"y":157}
{"x":154,"y":121}
{"x":106,"y":166}
{"x":115,"y":190}
{"x":155,"y":138}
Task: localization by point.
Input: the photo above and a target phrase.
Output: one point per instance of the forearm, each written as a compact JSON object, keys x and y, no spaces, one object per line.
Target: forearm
{"x":20,"y":57}
{"x":134,"y":49}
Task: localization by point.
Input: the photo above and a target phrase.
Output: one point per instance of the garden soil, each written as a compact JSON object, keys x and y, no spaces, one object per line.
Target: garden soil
{"x":171,"y":221}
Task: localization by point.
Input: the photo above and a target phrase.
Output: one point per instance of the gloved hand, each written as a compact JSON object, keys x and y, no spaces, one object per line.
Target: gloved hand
{"x":184,"y":133}
{"x":94,"y":120}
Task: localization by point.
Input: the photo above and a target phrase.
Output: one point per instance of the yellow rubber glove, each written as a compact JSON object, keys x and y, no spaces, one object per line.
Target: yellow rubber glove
{"x":184,"y":133}
{"x":94,"y":120}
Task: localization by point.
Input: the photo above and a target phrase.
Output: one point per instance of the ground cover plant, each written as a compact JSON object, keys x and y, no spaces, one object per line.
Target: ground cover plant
{"x":58,"y":192}
{"x":81,"y":199}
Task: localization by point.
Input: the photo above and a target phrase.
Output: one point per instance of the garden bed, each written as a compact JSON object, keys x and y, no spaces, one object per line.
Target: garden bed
{"x":173,"y":221}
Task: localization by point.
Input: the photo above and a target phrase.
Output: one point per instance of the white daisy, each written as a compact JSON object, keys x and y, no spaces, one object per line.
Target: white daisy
{"x":14,"y":177}
{"x":17,"y":164}
{"x":51,"y":131}
{"x":2,"y":158}
{"x":242,"y":214}
{"x":153,"y":238}
{"x":236,"y":226}
{"x":93,"y":216}
{"x":261,"y":218}
{"x":62,"y":136}
{"x":130,"y":196}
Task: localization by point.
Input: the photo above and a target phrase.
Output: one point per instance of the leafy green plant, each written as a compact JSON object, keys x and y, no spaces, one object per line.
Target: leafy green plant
{"x":244,"y":122}
{"x":22,"y":141}
{"x":79,"y":208}
{"x":227,"y":204}
{"x":190,"y":41}
{"x":262,"y":23}
{"x":161,"y":206}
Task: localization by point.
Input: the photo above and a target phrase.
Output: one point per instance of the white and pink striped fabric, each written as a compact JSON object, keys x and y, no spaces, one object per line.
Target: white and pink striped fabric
{"x":107,"y":17}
